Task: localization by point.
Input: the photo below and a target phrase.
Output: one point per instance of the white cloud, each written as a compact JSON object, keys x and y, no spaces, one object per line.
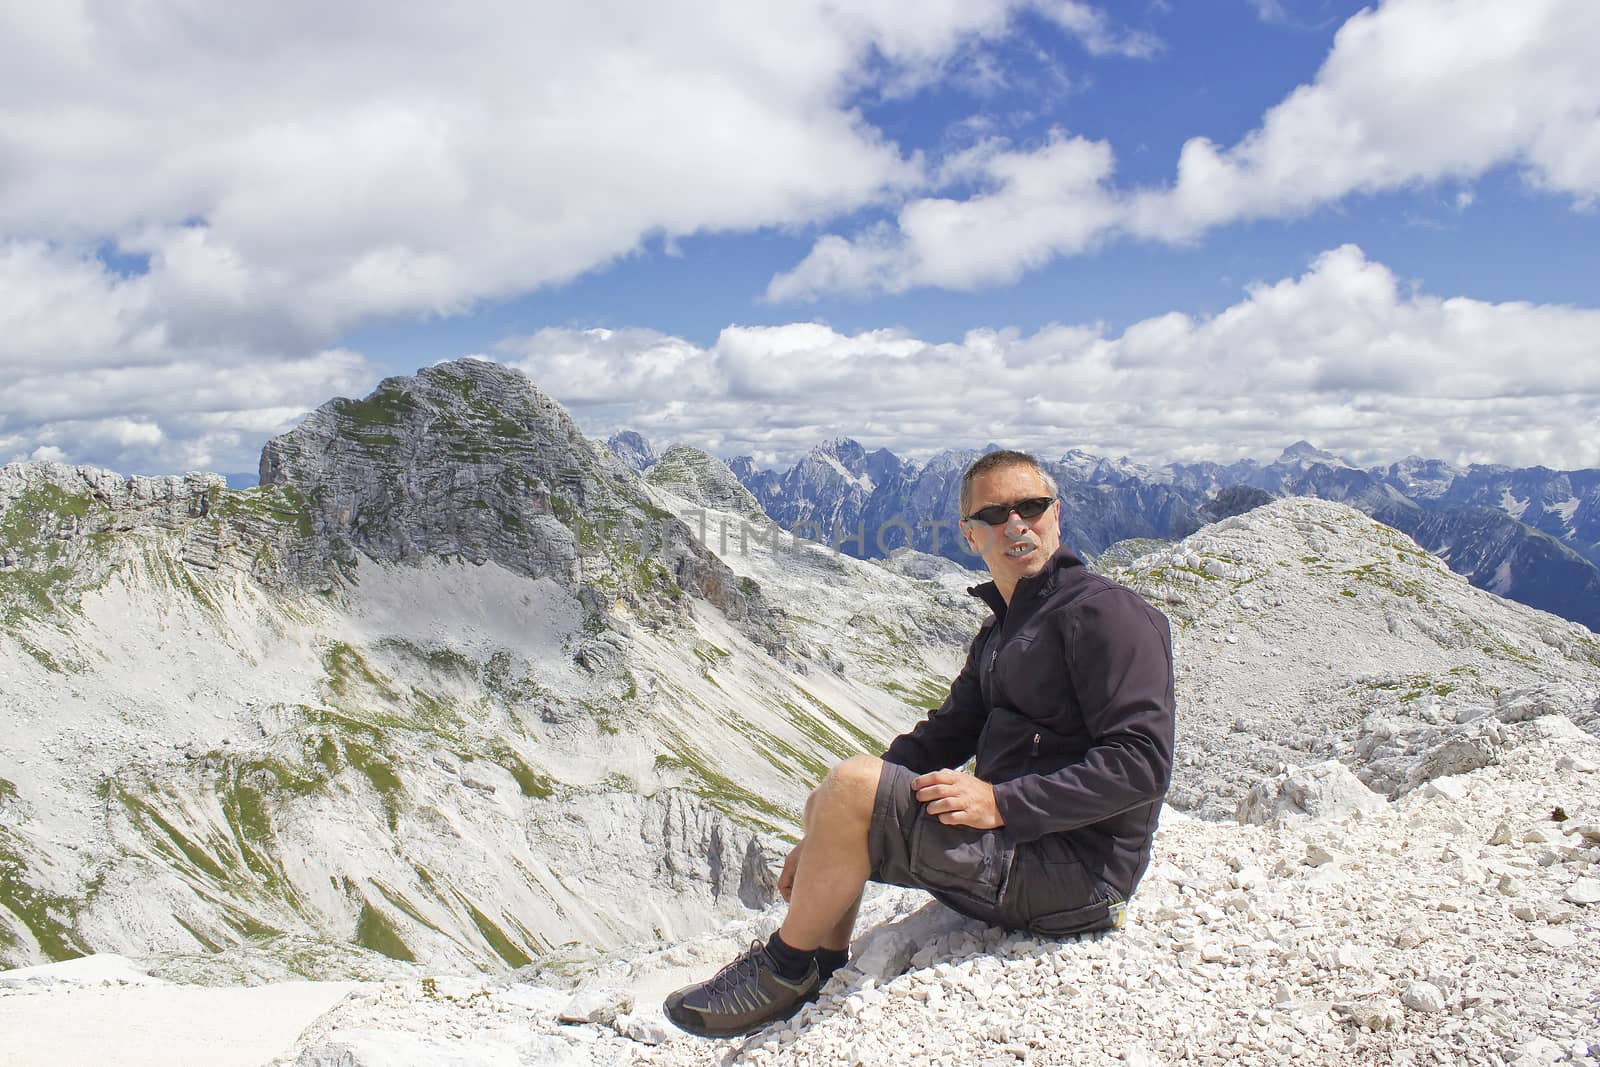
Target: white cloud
{"x":1091,"y":26}
{"x":1270,"y":10}
{"x":1344,"y":355}
{"x":96,"y":370}
{"x":319,"y":167}
{"x":277,"y":173}
{"x":1039,"y":205}
{"x":1413,"y":92}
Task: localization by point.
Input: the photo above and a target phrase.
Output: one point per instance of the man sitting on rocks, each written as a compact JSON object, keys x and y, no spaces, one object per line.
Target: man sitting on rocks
{"x":1066,"y":700}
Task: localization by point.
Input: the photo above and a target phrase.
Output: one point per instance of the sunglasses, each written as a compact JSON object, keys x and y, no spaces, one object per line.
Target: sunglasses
{"x":1000,"y":514}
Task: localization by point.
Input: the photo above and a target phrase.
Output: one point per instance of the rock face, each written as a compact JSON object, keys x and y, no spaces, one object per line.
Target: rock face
{"x":56,"y":518}
{"x":469,"y":459}
{"x":1305,"y":631}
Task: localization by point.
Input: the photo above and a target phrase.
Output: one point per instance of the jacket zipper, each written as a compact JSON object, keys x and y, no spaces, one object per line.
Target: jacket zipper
{"x":1035,"y":751}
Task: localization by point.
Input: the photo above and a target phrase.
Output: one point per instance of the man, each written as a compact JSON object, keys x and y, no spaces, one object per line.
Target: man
{"x":1066,"y":700}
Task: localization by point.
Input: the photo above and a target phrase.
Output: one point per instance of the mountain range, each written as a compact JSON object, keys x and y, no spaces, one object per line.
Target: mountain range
{"x":456,"y":693}
{"x":1529,"y":534}
{"x":454,"y":687}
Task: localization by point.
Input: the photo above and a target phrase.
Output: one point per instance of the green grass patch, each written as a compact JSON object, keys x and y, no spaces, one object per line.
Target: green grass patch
{"x":730,"y":798}
{"x":503,"y":946}
{"x":1412,"y":687}
{"x":41,"y":913}
{"x":375,"y":932}
{"x":529,"y":781}
{"x":403,"y":905}
{"x":36,"y":515}
{"x":925,"y":694}
{"x":280,"y":507}
{"x":205,"y":942}
{"x":386,"y":407}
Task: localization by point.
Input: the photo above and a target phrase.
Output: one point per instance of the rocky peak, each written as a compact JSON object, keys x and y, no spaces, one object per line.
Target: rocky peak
{"x":704,"y":479}
{"x":471,"y":459}
{"x":632,"y":450}
{"x":1419,"y":478}
{"x":1078,"y":464}
{"x":883,"y":465}
{"x":1304,"y":452}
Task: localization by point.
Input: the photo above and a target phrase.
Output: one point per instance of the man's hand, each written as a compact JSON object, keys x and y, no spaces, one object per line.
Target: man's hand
{"x":958,"y":799}
{"x":791,"y":864}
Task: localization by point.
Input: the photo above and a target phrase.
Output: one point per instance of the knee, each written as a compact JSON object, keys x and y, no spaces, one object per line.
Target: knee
{"x":857,"y":773}
{"x":850,"y":786}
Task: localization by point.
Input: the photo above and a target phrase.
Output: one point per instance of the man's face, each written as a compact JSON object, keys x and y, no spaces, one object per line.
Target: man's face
{"x":1021,"y":547}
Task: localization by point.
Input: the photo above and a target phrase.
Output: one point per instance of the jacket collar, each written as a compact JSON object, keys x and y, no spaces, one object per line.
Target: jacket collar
{"x":1043,"y":583}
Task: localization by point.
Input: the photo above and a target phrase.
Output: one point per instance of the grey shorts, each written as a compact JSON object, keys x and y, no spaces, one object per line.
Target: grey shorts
{"x":1039,"y":886}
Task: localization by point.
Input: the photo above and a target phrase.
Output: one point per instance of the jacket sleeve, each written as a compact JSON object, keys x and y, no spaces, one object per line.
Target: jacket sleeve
{"x":1119,"y":653}
{"x":948,"y":737}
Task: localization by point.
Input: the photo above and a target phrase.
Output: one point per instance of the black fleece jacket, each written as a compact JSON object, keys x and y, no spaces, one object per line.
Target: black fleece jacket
{"x":1066,"y":700}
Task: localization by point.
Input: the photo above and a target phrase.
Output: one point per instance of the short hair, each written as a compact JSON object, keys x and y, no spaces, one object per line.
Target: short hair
{"x":994,"y":461}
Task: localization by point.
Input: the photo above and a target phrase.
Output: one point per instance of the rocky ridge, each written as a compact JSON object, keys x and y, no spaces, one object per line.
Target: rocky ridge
{"x":1306,"y":631}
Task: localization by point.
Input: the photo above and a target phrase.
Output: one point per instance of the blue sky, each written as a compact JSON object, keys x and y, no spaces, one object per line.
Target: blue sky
{"x":1161,"y":230}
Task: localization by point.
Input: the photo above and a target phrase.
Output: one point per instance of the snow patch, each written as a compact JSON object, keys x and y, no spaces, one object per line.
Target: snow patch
{"x":1565,"y":509}
{"x":1511,"y":505}
{"x":1502,"y":581}
{"x":861,"y":480}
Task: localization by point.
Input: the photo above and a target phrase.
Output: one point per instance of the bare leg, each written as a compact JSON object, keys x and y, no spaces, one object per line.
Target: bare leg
{"x":834,"y":866}
{"x":839,"y":937}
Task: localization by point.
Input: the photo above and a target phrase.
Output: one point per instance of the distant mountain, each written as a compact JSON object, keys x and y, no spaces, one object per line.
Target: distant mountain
{"x":1531,"y":534}
{"x":632,"y":449}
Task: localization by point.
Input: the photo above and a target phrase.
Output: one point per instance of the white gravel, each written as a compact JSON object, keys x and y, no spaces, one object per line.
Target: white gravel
{"x":1401,"y":936}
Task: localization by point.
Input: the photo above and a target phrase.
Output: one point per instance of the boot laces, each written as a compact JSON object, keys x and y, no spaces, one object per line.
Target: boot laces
{"x":744,"y":969}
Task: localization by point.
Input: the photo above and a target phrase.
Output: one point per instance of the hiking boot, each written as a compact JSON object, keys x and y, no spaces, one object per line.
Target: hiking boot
{"x":741,"y":998}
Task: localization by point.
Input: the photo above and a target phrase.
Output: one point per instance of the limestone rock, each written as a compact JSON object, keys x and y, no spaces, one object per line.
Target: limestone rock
{"x":645,"y":1029}
{"x":706,"y":480}
{"x":1556,"y":937}
{"x":1322,"y":791}
{"x":1373,"y":1014}
{"x":1584,"y":891}
{"x":599,"y":1005}
{"x":1423,"y":997}
{"x":632,"y":450}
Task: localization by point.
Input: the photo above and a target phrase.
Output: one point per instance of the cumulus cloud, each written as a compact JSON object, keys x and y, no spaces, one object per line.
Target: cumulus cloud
{"x":196,"y":204}
{"x":1412,"y":92}
{"x":96,"y":370}
{"x":1039,"y":204}
{"x":330,"y":166}
{"x":1345,"y":355}
{"x":1415,"y":91}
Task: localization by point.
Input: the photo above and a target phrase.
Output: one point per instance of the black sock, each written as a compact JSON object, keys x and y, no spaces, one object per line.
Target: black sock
{"x":830,"y":960}
{"x":791,"y":963}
